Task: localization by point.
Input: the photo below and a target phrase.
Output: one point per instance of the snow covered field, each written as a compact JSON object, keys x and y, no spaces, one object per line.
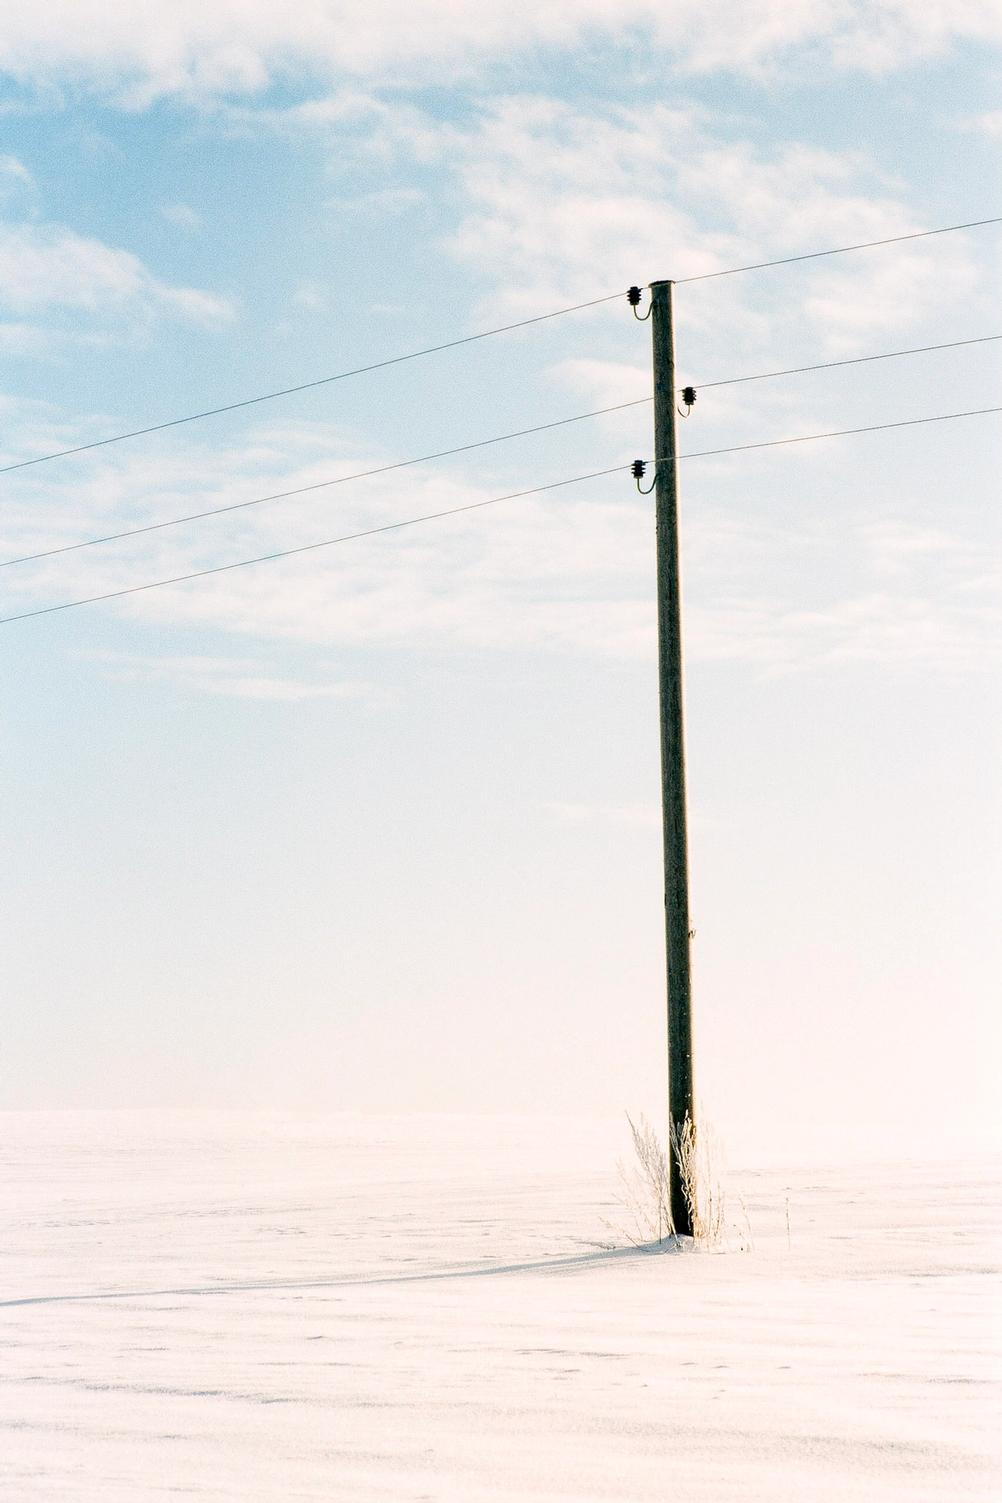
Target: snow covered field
{"x":288,"y":1307}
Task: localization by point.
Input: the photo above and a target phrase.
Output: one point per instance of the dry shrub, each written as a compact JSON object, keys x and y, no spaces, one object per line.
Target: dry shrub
{"x":648,"y":1186}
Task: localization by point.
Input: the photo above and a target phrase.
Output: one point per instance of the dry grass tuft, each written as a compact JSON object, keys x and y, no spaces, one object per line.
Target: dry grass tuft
{"x":647,"y":1185}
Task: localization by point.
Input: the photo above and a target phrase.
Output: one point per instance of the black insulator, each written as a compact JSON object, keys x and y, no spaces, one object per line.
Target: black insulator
{"x":634,"y":295}
{"x":688,"y":395}
{"x":638,"y":469}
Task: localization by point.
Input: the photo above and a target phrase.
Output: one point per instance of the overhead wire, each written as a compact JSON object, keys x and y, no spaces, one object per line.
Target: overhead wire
{"x":348,"y":537}
{"x":807,"y":438}
{"x":827,"y":365}
{"x":468,"y":339}
{"x":215,"y":511}
{"x":288,"y":391}
{"x":475,"y":506}
{"x":839,"y":250}
{"x":300,"y":490}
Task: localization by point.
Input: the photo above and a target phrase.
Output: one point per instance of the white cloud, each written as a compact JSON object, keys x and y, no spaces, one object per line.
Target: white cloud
{"x":17,"y":186}
{"x":313,"y":297}
{"x":135,"y":53}
{"x":558,"y":203}
{"x":182,"y":215}
{"x":388,"y":201}
{"x":205,"y":308}
{"x":989,"y":124}
{"x":855,"y":308}
{"x":570,"y":571}
{"x":552,"y":192}
{"x":11,"y":169}
{"x":232,"y":677}
{"x":879,"y":37}
{"x":21,"y":338}
{"x":45,"y":268}
{"x":606,"y":382}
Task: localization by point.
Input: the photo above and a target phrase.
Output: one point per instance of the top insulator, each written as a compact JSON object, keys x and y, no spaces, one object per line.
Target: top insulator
{"x":634,"y":295}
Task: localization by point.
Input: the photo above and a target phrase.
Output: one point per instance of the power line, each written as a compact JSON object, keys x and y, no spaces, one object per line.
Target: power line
{"x":300,"y":490}
{"x":840,"y":250}
{"x":452,"y":344}
{"x":286,"y":391}
{"x":806,"y":438}
{"x":215,"y":511}
{"x":349,"y":537}
{"x":476,"y":506}
{"x":827,"y":365}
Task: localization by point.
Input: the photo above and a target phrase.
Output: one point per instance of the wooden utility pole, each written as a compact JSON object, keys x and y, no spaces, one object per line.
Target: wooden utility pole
{"x":673,"y":804}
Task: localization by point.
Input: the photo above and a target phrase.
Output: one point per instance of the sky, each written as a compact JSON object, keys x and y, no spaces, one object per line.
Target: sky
{"x":376,"y":827}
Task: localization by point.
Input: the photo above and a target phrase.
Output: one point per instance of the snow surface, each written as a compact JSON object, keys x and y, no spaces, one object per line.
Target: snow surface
{"x":287,"y":1307}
